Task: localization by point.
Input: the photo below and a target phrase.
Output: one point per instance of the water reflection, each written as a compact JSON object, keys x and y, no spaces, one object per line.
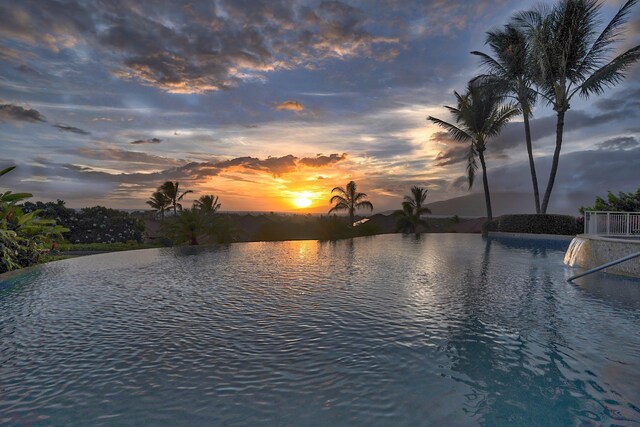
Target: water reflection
{"x":444,"y":329}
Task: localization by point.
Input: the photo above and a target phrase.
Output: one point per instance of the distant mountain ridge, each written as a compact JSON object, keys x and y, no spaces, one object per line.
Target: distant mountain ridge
{"x":503,"y":203}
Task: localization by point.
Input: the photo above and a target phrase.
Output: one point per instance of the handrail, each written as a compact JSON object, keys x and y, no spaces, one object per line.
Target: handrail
{"x":603,"y":266}
{"x":608,"y":223}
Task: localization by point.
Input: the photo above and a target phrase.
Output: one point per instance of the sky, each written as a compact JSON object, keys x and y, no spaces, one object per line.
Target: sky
{"x":267,"y":104}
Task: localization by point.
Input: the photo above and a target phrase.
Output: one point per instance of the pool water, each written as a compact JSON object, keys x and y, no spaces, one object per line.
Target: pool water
{"x":392,"y":330}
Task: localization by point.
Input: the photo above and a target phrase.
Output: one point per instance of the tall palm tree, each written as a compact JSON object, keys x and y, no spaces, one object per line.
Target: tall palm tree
{"x":159,"y":202}
{"x":568,"y":58}
{"x":349,"y":200}
{"x":208,"y":203}
{"x":509,"y":71}
{"x":410,"y":216}
{"x":172,"y":191}
{"x":187,"y":226}
{"x":480,"y":115}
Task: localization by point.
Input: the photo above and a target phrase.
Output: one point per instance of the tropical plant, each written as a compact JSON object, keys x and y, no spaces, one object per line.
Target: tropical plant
{"x":172,"y":191}
{"x":479,"y":116}
{"x":410,"y":216}
{"x":186,"y":226}
{"x":160,"y":203}
{"x":23,"y":236}
{"x":623,"y":202}
{"x":348,"y":199}
{"x":208,"y":203}
{"x":509,"y":72}
{"x":569,"y":57}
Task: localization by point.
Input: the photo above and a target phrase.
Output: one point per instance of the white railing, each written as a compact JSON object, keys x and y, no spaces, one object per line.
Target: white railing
{"x":612,"y":223}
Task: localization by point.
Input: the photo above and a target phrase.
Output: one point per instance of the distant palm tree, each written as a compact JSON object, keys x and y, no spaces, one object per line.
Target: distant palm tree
{"x":171,"y":190}
{"x":510,"y":72}
{"x":187,"y":226}
{"x":208,"y":203}
{"x":479,"y":116}
{"x":349,"y":200}
{"x":160,"y":203}
{"x":410,"y":216}
{"x":568,"y":58}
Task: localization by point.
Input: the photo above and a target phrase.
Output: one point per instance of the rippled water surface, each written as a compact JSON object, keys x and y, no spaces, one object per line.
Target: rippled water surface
{"x":388,"y":330}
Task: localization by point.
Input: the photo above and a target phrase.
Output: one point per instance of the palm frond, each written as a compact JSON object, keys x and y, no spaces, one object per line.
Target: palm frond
{"x":364,"y":204}
{"x":608,"y":37}
{"x":610,"y":74}
{"x":338,"y":198}
{"x":455,"y":132}
{"x":490,"y":64}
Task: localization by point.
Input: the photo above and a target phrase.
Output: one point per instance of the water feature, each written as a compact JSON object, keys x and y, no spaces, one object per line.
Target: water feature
{"x":389,"y":330}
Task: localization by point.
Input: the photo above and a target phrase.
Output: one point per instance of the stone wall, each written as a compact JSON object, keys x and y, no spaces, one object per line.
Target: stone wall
{"x":592,"y":251}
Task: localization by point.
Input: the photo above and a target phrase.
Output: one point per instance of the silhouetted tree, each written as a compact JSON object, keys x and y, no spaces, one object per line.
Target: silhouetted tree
{"x":172,"y":191}
{"x":510,"y":72}
{"x":348,"y":199}
{"x":479,"y":116}
{"x":567,"y":58}
{"x":410,"y":216}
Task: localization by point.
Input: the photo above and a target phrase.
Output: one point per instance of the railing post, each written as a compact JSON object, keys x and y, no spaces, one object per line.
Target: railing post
{"x":608,"y":223}
{"x":628,"y":220}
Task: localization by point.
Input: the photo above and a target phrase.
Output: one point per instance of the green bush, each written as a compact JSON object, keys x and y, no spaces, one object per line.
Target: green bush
{"x":533,"y":224}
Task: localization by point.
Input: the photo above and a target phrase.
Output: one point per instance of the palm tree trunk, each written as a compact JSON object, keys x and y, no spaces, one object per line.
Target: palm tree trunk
{"x":556,"y":159}
{"x":532,"y":165}
{"x":485,"y":182}
{"x":351,"y":216}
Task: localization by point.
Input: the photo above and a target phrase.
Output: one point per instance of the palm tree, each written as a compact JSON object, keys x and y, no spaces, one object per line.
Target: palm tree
{"x":568,"y":59}
{"x":208,"y":203}
{"x":187,"y":226}
{"x":171,"y":190}
{"x":159,"y":202}
{"x":410,"y":216}
{"x":509,"y":71}
{"x":479,"y":115}
{"x":349,"y":200}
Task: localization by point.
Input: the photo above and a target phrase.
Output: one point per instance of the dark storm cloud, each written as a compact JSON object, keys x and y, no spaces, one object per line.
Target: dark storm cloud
{"x":15,"y":113}
{"x":620,"y":143}
{"x":146,"y":141}
{"x":66,"y":128}
{"x":199,"y":46}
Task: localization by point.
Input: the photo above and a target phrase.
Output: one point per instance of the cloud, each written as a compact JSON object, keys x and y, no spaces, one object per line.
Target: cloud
{"x":619,"y":143}
{"x":512,"y":135}
{"x":453,"y":155}
{"x":10,"y":112}
{"x":146,"y":141}
{"x":321,"y":161}
{"x":72,"y":129}
{"x":290,"y":105}
{"x":200,"y":46}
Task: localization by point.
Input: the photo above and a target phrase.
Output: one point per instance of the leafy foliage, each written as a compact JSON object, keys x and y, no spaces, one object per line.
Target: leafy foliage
{"x":96,"y":224}
{"x":534,"y":224}
{"x":23,"y":235}
{"x":623,"y":202}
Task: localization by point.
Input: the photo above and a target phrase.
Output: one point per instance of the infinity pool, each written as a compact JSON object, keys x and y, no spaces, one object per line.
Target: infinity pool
{"x":389,"y":330}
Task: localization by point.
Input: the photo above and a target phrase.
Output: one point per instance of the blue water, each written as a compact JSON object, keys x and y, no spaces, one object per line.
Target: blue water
{"x":389,"y":330}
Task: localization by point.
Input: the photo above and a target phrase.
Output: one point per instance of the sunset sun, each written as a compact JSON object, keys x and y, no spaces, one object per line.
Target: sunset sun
{"x":302,"y":200}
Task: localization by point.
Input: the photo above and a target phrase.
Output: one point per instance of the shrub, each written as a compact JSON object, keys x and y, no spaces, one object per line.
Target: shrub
{"x":91,"y":225}
{"x":533,"y":224}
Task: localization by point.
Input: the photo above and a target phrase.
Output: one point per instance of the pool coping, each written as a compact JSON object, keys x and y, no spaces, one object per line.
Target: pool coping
{"x":558,"y":237}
